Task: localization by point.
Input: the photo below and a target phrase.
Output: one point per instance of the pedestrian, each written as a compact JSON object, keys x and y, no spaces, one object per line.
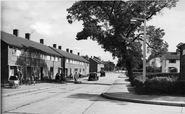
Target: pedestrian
{"x":63,"y":79}
{"x":32,"y":78}
{"x":20,"y":76}
{"x":57,"y":77}
{"x":76,"y":77}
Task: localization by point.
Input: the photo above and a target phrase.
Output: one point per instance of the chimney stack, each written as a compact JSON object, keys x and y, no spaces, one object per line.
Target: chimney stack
{"x":54,"y":45}
{"x":42,"y":41}
{"x":16,"y":32}
{"x":71,"y":51}
{"x":78,"y":54}
{"x":60,"y":47}
{"x":67,"y":50}
{"x":27,"y":36}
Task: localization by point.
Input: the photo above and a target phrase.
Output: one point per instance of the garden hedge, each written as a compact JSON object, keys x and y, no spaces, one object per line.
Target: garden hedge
{"x":159,"y":85}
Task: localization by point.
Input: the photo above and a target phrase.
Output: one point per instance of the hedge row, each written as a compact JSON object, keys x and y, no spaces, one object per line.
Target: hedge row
{"x":152,"y":75}
{"x":159,"y":85}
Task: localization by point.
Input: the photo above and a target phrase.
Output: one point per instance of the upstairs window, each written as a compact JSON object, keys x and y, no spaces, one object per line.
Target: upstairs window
{"x":172,"y":61}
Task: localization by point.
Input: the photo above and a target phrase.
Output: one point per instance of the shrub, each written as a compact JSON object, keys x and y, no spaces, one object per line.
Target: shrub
{"x":138,"y":84}
{"x":172,"y":75}
{"x":159,"y":85}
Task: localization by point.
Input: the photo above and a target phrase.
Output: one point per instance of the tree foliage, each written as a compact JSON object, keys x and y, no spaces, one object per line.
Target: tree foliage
{"x":109,"y":23}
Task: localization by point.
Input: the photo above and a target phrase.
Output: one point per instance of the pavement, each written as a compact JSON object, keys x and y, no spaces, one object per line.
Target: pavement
{"x":7,"y":91}
{"x":123,"y":91}
{"x":119,"y":90}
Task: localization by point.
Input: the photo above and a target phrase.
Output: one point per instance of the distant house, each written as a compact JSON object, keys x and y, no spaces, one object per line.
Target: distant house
{"x":95,"y":64}
{"x":170,"y":62}
{"x":182,"y":61}
{"x":109,"y":66}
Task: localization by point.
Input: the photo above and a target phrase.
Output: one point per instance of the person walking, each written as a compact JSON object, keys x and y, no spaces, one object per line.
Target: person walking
{"x":57,"y":77}
{"x":76,"y":75}
{"x":20,"y":77}
{"x":32,"y":78}
{"x":63,"y":78}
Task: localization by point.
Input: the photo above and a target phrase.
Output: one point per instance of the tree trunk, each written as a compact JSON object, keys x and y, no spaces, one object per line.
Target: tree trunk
{"x":129,"y":69}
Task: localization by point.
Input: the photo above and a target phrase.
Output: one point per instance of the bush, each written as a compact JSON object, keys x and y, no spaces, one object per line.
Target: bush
{"x":138,"y":84}
{"x":172,"y":75}
{"x":159,"y":85}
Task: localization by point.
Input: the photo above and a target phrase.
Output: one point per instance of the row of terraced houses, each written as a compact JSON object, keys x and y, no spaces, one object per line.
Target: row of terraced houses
{"x":39,"y":59}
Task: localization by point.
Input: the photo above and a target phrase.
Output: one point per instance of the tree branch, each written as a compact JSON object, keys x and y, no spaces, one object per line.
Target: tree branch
{"x":109,"y":16}
{"x":146,"y":43}
{"x":135,"y":39}
{"x":112,"y":8}
{"x":156,"y":11}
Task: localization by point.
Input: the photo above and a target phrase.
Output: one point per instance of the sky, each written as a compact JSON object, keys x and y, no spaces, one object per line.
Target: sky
{"x":47,"y":20}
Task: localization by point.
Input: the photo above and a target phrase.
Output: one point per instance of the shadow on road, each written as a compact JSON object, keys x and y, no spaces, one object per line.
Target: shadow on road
{"x":94,"y":97}
{"x":94,"y":83}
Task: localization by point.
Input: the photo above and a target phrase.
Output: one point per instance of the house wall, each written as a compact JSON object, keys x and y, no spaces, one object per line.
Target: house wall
{"x":29,"y":62}
{"x":182,"y":63}
{"x":166,"y":65}
{"x":99,"y":67}
{"x":72,"y":65}
{"x":4,"y":62}
{"x":93,"y":67}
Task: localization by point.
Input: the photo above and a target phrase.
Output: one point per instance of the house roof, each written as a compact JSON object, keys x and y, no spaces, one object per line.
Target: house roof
{"x":108,"y":62}
{"x":69,"y":55}
{"x":97,"y":60}
{"x":181,"y":45}
{"x":172,"y":55}
{"x":24,"y":43}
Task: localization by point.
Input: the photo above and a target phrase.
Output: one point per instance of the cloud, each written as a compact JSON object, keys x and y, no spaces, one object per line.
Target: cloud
{"x":45,"y":17}
{"x":42,"y":28}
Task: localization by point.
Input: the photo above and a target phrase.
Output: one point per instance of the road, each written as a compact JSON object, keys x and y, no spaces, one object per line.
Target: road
{"x":79,"y":99}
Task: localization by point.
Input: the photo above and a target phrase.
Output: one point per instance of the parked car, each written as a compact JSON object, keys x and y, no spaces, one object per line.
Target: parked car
{"x":93,"y":76}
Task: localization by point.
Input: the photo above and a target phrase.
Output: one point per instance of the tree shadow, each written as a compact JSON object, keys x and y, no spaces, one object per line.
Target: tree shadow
{"x":94,"y":83}
{"x":94,"y":97}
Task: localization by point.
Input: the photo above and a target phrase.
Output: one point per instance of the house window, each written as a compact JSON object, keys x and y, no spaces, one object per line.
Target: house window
{"x":183,"y":52}
{"x":48,"y":57}
{"x":172,"y":61}
{"x":18,"y":52}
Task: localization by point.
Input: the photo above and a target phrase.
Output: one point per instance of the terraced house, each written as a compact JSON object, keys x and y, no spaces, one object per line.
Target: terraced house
{"x":72,"y":62}
{"x":35,"y":58}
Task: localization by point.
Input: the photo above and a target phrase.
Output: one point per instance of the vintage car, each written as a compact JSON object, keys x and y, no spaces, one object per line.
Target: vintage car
{"x":93,"y":76}
{"x":13,"y":82}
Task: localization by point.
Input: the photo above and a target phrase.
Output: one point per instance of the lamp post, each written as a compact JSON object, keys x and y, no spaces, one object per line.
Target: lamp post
{"x":144,"y":46}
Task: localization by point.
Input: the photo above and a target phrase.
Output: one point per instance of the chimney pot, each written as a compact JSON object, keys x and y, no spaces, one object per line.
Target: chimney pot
{"x":16,"y":32}
{"x":71,"y":51}
{"x":78,"y":53}
{"x":54,"y":45}
{"x":42,"y":41}
{"x":67,"y":50}
{"x":27,"y":36}
{"x":60,"y":47}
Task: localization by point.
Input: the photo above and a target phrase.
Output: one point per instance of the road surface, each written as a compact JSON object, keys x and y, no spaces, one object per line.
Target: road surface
{"x":79,"y":99}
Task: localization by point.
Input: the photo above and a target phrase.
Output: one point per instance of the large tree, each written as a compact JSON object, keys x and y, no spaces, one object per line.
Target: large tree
{"x":109,"y":23}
